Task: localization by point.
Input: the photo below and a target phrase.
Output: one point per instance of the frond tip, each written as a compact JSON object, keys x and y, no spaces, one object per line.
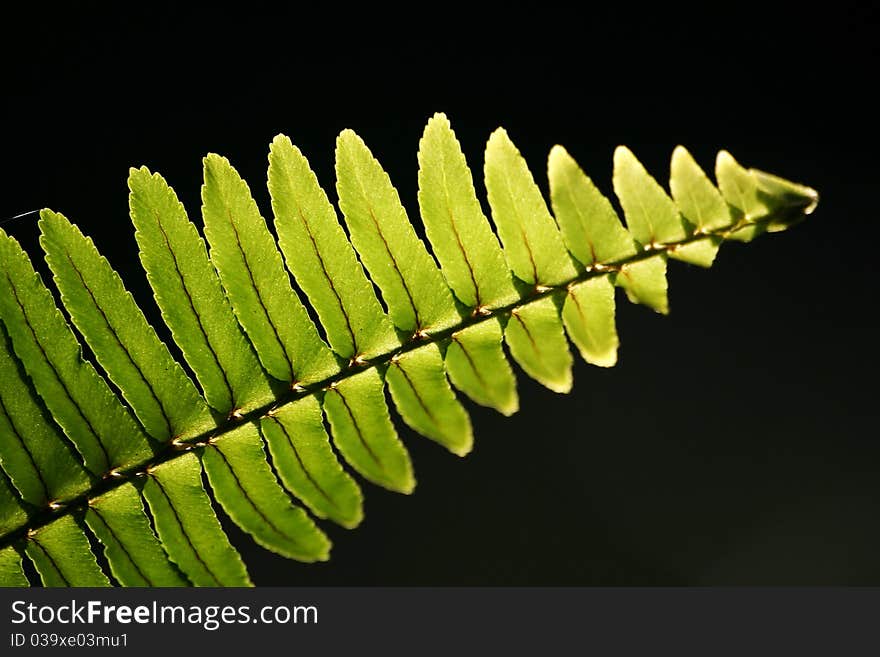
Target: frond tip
{"x":276,"y":399}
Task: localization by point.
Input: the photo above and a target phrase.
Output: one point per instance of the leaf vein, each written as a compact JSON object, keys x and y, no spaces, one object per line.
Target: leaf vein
{"x":122,"y":547}
{"x":58,"y":377}
{"x":247,"y":267}
{"x":250,"y":501}
{"x":396,"y":268}
{"x":358,"y":431}
{"x":470,"y":360}
{"x":24,"y":446}
{"x":302,"y":465}
{"x":329,"y":280}
{"x":179,"y":522}
{"x":124,"y":348}
{"x":33,"y":539}
{"x":418,"y":395}
{"x":195,"y":312}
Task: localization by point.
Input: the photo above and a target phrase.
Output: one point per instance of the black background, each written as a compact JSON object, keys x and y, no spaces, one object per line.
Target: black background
{"x":735,"y":441}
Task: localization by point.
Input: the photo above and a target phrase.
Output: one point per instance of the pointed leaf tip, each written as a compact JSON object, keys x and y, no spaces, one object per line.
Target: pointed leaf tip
{"x":532,"y":243}
{"x":461,"y":237}
{"x":590,"y":227}
{"x":651,"y":215}
{"x":279,"y":141}
{"x":724,"y":157}
{"x":696,"y":197}
{"x":141,"y":172}
{"x":557,"y":152}
{"x":441,"y":119}
{"x":787,"y":192}
{"x":763,"y":197}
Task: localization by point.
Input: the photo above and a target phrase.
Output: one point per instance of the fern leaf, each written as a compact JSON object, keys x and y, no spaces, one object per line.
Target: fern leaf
{"x":62,"y":555}
{"x":531,"y":240}
{"x":537,"y":342}
{"x":697,"y":198}
{"x":11,"y":571}
{"x":187,"y":526}
{"x":306,"y":464}
{"x":787,"y":202}
{"x":162,"y":397}
{"x":417,"y":383}
{"x":477,"y":366}
{"x":40,"y":463}
{"x":322,"y":260}
{"x":417,"y":297}
{"x":590,"y":227}
{"x":82,"y":403}
{"x":740,"y":188}
{"x":12,"y":513}
{"x":650,"y":214}
{"x":700,"y":252}
{"x":459,"y":232}
{"x":193,"y":304}
{"x":136,"y":557}
{"x":245,"y":487}
{"x":77,"y":465}
{"x":253,"y":275}
{"x":645,"y":282}
{"x":588,"y":315}
{"x":363,"y":432}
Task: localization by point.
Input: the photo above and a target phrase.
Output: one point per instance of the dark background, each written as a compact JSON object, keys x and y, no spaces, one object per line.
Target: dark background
{"x":735,"y":443}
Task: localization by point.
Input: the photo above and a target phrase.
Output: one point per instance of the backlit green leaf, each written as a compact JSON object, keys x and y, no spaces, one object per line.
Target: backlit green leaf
{"x":650,"y":214}
{"x":62,"y":556}
{"x":245,"y":487}
{"x":164,"y":399}
{"x":700,"y":252}
{"x":40,"y":463}
{"x":75,"y":465}
{"x":12,"y":513}
{"x":537,"y":342}
{"x":697,"y":198}
{"x":645,"y":282}
{"x":322,"y":260}
{"x":135,"y":556}
{"x":363,"y":432}
{"x":306,"y":464}
{"x":588,"y":315}
{"x":253,"y":274}
{"x":187,"y":526}
{"x":477,"y":366}
{"x":746,"y":233}
{"x":761,"y":197}
{"x":102,"y":430}
{"x":412,"y":287}
{"x":590,"y":227}
{"x":531,"y":240}
{"x":418,"y":385}
{"x":11,"y":572}
{"x":789,"y":203}
{"x":463,"y":241}
{"x":739,"y":187}
{"x":193,"y":304}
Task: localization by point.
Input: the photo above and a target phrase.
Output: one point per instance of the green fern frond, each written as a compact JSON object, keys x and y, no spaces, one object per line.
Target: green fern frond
{"x":119,"y":456}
